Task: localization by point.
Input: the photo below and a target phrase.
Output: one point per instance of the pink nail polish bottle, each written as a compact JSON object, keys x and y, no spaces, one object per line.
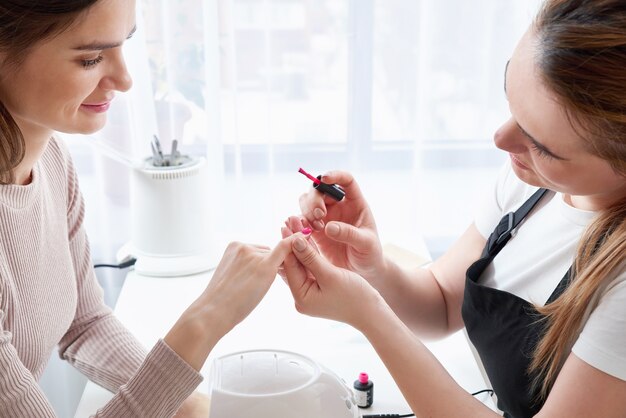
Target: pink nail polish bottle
{"x":364,"y":391}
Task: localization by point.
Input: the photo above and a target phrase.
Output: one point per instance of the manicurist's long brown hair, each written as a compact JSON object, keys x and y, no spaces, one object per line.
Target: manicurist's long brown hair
{"x":23,"y":23}
{"x":581,"y":56}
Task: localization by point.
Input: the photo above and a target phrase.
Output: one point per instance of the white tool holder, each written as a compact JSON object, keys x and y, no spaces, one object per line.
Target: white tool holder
{"x":170,"y":218}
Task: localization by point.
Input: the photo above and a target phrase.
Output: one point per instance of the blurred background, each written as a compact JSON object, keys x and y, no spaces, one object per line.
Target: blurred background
{"x":403,"y":89}
{"x":406,"y":94}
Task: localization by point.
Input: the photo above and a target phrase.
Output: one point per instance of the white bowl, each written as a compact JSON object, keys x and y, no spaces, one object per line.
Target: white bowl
{"x":277,"y":384}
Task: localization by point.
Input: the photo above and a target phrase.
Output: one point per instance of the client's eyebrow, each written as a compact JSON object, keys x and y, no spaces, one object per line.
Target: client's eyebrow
{"x":99,"y":46}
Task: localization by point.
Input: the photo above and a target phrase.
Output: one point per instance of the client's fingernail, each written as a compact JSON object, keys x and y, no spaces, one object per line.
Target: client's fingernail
{"x":318,"y":213}
{"x":306,"y":231}
{"x":319,"y":225}
{"x":299,"y":244}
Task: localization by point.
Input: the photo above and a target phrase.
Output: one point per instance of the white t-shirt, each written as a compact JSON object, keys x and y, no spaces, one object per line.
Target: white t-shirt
{"x":539,"y":253}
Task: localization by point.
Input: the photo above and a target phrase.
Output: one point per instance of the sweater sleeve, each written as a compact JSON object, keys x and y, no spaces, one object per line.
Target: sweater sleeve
{"x":96,"y":343}
{"x":157,"y":389}
{"x":20,"y":395}
{"x":100,"y":347}
{"x":94,"y":340}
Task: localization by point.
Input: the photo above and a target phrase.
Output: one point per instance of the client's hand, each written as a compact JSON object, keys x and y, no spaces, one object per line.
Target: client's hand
{"x":242,"y":278}
{"x":197,"y":405}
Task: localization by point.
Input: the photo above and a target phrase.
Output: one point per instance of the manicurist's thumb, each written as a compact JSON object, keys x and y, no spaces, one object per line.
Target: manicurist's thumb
{"x":311,"y":259}
{"x":348,"y":234}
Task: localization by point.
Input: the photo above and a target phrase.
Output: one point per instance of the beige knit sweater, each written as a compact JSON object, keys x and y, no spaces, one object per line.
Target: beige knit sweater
{"x":49,"y":297}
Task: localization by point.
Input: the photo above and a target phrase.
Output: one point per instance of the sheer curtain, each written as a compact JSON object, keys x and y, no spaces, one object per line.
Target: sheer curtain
{"x":396,"y":90}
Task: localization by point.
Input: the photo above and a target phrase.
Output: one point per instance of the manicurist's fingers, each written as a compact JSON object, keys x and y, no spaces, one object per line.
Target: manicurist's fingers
{"x":284,"y":247}
{"x":311,"y":259}
{"x":358,"y":238}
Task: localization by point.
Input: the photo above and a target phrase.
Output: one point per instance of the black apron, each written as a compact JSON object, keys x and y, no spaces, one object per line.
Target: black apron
{"x":503,"y":327}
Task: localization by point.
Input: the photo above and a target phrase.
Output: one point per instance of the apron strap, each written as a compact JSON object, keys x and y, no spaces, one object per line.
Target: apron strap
{"x":563,"y":284}
{"x":501,"y":235}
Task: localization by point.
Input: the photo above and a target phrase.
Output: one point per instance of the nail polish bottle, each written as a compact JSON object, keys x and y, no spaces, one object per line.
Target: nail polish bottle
{"x":364,"y":391}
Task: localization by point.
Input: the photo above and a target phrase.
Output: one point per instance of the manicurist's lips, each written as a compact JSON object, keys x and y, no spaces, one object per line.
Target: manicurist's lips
{"x":518,"y":162}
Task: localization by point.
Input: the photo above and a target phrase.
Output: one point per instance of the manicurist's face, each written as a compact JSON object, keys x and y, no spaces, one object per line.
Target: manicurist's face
{"x":67,"y":83}
{"x":544,"y":148}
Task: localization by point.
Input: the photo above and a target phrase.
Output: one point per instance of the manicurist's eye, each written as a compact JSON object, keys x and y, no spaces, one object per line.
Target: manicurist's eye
{"x":541,"y":152}
{"x":90,"y":63}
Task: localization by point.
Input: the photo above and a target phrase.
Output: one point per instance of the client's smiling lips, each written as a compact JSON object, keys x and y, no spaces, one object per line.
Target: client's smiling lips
{"x":97,"y":107}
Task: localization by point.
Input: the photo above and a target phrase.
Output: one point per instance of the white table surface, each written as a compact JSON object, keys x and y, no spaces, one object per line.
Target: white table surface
{"x":149,"y":306}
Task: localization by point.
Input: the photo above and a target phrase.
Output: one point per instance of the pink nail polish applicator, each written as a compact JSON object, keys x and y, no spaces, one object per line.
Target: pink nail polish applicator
{"x":333,"y":190}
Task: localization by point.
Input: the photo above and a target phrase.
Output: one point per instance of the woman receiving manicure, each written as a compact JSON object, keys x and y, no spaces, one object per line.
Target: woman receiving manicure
{"x":60,"y":66}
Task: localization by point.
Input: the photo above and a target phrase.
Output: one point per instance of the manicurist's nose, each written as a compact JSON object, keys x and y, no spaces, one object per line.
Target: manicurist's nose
{"x":509,"y":138}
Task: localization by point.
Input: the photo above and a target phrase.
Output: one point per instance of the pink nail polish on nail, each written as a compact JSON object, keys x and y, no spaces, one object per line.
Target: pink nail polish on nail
{"x":306,"y":231}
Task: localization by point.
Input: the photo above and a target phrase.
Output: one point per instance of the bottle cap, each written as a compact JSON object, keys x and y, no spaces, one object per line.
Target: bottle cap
{"x":363,"y":378}
{"x":333,"y":190}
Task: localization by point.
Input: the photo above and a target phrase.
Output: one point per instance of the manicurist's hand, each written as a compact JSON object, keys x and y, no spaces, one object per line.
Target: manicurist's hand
{"x":344,"y":231}
{"x":321,"y":289}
